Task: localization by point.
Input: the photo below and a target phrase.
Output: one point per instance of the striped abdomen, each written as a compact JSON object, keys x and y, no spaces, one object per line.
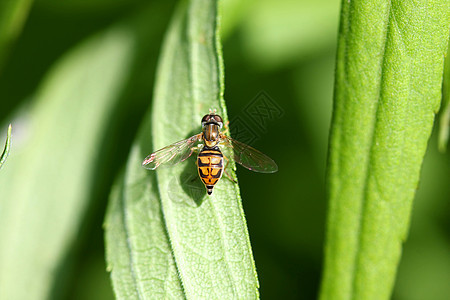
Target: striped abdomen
{"x":210,"y":166}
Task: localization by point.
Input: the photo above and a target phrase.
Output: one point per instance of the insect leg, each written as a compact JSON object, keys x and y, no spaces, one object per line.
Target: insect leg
{"x":226,"y":127}
{"x":196,"y":149}
{"x":225,"y":170}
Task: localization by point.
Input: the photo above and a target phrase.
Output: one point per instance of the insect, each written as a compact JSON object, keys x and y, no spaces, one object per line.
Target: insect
{"x":210,"y":159}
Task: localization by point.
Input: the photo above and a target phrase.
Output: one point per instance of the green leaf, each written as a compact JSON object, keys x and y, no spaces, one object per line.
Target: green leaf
{"x":209,"y":252}
{"x":13,"y":14}
{"x":50,"y":177}
{"x":444,"y":119}
{"x":138,"y":249}
{"x":388,"y":85}
{"x":208,"y":235}
{"x":7,"y":147}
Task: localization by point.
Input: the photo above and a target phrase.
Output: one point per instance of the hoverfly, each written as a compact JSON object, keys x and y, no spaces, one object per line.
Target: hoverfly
{"x":210,"y":160}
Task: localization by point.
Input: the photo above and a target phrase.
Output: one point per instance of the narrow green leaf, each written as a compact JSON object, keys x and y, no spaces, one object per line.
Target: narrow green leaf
{"x":7,"y":146}
{"x":117,"y":249}
{"x":50,"y":177}
{"x":444,"y":119}
{"x":388,"y":85}
{"x":13,"y":14}
{"x":209,"y":252}
{"x":208,"y":235}
{"x":138,"y":249}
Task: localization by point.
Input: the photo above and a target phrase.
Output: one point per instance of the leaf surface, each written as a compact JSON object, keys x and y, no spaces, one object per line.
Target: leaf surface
{"x":138,"y":250}
{"x":174,"y":230}
{"x":388,"y":86}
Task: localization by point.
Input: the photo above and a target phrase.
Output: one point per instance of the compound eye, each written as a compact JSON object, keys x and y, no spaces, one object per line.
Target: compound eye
{"x":205,"y":119}
{"x":218,"y":118}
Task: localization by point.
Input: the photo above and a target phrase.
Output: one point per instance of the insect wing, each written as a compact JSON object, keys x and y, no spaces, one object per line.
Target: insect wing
{"x":172,"y":154}
{"x":249,"y":157}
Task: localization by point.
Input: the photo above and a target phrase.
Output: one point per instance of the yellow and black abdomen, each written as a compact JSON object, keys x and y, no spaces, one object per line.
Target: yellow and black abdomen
{"x":210,"y":166}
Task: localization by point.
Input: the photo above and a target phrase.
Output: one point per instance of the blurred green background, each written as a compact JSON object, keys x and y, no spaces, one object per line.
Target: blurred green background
{"x":285,"y":49}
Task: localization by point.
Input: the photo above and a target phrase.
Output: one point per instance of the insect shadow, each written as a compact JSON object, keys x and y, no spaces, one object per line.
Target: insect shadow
{"x":189,"y":179}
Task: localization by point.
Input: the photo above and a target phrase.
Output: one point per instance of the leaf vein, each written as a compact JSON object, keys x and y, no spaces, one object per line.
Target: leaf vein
{"x":128,"y":242}
{"x":222,"y":240}
{"x":364,"y":207}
